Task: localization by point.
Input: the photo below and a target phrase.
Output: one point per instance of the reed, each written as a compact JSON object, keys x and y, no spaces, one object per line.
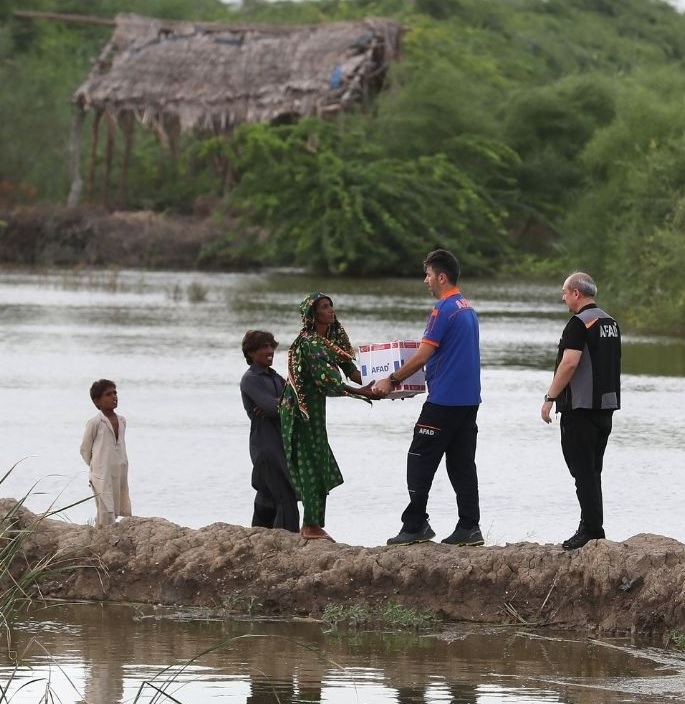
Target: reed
{"x":19,"y":576}
{"x":156,"y":689}
{"x":677,"y":637}
{"x":197,"y":293}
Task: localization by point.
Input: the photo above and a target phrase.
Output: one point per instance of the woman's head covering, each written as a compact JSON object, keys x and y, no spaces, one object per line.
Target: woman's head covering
{"x":335,"y":340}
{"x":335,"y":333}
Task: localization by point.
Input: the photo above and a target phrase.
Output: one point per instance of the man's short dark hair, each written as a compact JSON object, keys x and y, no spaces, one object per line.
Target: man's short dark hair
{"x":254,"y":339}
{"x":99,"y":387}
{"x":443,"y":262}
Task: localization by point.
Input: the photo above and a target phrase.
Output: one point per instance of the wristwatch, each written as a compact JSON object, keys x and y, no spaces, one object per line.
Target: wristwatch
{"x":395,"y":381}
{"x":549,"y":398}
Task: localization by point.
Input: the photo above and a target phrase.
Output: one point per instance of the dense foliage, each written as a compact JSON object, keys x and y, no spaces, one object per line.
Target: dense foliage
{"x":348,"y":207}
{"x":527,"y":135}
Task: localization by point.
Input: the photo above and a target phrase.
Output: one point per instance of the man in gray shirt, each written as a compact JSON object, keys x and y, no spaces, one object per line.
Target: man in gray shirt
{"x":275,"y":504}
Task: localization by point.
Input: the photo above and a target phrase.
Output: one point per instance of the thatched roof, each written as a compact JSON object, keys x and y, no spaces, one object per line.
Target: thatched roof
{"x":210,"y":78}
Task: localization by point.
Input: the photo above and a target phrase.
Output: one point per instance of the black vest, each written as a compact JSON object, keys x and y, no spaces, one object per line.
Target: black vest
{"x":596,"y":383}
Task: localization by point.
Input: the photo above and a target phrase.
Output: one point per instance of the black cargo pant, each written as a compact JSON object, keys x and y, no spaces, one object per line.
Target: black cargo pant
{"x":584,"y":436}
{"x":448,"y":431}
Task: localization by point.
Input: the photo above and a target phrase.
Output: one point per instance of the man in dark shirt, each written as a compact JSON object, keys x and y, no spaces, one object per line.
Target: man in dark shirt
{"x":587,"y":390}
{"x":275,"y":504}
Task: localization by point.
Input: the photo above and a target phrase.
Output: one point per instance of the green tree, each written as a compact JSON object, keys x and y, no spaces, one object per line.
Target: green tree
{"x":557,"y":120}
{"x":548,"y":127}
{"x":628,"y":226}
{"x":347,"y":209}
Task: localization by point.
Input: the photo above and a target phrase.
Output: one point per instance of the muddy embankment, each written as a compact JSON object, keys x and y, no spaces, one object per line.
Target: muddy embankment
{"x":57,"y":237}
{"x":634,"y":586}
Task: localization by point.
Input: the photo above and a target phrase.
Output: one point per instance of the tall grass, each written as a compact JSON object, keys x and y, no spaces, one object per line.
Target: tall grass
{"x":19,"y":576}
{"x":20,"y":579}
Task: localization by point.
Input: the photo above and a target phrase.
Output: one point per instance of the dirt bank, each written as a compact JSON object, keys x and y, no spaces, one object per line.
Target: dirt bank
{"x":33,"y":236}
{"x":637,"y":585}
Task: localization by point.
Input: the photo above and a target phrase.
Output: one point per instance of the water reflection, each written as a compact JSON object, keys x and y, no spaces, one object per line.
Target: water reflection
{"x":664,"y":359}
{"x":110,"y":654}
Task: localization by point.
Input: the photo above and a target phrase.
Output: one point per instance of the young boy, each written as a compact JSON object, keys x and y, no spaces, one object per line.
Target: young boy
{"x":104,"y":451}
{"x":275,"y":505}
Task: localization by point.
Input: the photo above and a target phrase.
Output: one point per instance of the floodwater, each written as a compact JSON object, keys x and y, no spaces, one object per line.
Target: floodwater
{"x":115,"y":653}
{"x":177,"y":364}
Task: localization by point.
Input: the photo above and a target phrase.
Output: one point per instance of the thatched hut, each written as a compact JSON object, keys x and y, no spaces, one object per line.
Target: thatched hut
{"x":179,"y":77}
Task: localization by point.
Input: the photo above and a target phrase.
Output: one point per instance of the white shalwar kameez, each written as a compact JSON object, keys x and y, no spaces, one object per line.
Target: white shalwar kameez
{"x":105,"y":454}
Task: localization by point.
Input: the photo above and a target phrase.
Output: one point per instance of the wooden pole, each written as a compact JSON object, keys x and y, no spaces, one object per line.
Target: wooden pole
{"x":93,"y":155}
{"x":165,"y":24}
{"x":56,"y":16}
{"x":109,"y":157}
{"x":75,"y":159}
{"x":128,"y":127}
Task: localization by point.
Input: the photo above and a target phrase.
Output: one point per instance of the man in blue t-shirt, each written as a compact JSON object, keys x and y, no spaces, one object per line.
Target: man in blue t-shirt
{"x":450,"y":352}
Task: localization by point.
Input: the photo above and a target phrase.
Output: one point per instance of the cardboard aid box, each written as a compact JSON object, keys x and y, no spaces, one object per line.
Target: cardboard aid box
{"x":378,"y":360}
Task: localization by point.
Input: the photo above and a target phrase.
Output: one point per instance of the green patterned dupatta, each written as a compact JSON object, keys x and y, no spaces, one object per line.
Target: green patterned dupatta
{"x":334,"y":347}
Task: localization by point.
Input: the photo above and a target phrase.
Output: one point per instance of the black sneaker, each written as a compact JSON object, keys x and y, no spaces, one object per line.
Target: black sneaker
{"x":581,"y":537}
{"x":461,"y":537}
{"x":406,"y":538}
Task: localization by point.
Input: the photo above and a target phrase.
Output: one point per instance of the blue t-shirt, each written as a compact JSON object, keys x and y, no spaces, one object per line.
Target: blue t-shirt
{"x":453,"y":372}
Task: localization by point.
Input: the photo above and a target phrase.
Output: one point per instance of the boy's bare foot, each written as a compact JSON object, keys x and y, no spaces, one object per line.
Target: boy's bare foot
{"x":315,"y":533}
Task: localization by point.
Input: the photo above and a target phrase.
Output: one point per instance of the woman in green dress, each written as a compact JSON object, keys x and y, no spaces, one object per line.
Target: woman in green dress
{"x":315,"y":359}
